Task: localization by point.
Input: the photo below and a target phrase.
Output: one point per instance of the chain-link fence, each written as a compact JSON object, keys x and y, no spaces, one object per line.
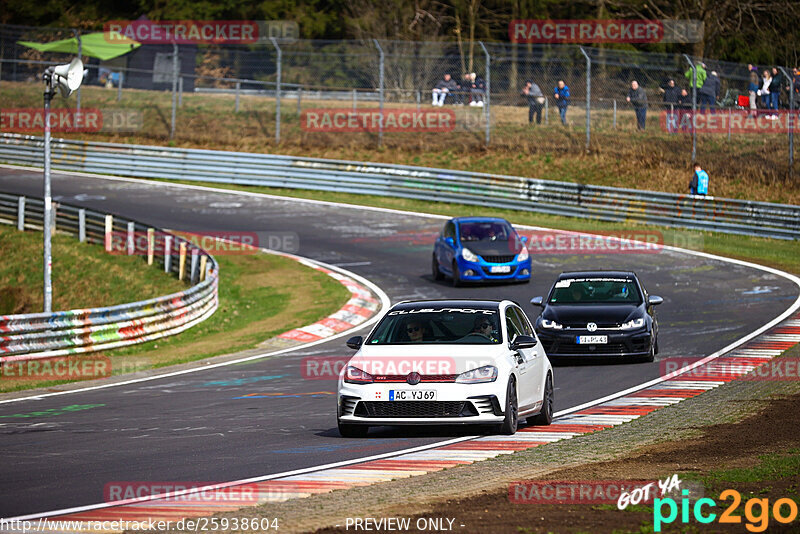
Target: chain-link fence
{"x":278,"y":92}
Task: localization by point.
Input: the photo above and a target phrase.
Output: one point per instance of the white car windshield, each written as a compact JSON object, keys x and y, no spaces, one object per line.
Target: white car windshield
{"x":469,"y":326}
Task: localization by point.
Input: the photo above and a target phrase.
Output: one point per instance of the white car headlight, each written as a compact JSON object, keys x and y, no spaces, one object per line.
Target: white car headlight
{"x":523,"y":254}
{"x":354,"y":375}
{"x":468,"y":255}
{"x":635,"y":323}
{"x":487,"y":373}
{"x":547,"y":323}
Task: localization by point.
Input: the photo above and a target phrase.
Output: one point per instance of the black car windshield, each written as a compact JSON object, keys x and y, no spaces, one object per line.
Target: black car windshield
{"x":595,"y":291}
{"x":485,"y":231}
{"x":432,"y":326}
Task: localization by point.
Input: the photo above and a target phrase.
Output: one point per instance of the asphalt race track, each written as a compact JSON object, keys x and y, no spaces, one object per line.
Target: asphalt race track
{"x":217,"y":425}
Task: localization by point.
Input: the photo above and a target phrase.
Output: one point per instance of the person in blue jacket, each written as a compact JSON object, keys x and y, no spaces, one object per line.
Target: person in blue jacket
{"x":561,"y":94}
{"x":699,"y":183}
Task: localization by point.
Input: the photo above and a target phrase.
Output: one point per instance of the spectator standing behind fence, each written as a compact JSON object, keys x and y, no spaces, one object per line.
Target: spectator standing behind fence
{"x":638,"y":99}
{"x":699,"y":183}
{"x":766,"y":81}
{"x":701,"y":75}
{"x":443,"y":87}
{"x":533,"y":93}
{"x":477,"y":91}
{"x":561,"y":94}
{"x":672,"y":94}
{"x":775,"y":88}
{"x":752,"y":90}
{"x":709,"y":92}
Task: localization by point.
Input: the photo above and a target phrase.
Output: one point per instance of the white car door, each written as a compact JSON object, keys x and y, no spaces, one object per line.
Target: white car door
{"x":537,"y":358}
{"x":524,"y":358}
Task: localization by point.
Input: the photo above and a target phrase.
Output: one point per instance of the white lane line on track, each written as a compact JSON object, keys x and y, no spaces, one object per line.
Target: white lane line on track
{"x":421,"y":450}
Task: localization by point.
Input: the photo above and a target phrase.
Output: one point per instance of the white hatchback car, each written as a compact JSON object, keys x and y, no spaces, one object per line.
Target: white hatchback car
{"x":447,"y":362}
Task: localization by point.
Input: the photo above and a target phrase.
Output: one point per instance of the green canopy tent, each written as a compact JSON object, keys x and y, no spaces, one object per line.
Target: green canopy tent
{"x":101,"y":45}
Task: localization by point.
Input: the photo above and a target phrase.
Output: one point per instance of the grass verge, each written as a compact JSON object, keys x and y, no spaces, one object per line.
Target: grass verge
{"x":260,"y":296}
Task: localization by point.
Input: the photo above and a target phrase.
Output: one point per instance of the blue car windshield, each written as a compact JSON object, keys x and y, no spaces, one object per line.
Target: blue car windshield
{"x":485,"y":231}
{"x":595,"y":291}
{"x":468,"y":326}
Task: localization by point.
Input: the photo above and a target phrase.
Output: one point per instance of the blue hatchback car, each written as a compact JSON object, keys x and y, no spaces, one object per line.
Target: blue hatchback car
{"x":480,"y":249}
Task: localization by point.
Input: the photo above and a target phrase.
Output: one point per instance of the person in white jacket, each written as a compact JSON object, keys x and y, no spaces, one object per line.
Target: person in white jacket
{"x":764,"y":91}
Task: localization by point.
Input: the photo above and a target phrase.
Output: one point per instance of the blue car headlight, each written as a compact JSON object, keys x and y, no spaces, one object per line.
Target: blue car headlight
{"x":523,"y":254}
{"x":468,"y":255}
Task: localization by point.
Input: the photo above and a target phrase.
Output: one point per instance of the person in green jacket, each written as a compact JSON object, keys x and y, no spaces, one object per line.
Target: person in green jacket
{"x":701,"y":75}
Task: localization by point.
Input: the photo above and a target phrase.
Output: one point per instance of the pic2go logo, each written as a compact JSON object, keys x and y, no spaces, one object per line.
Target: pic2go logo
{"x":756,"y":511}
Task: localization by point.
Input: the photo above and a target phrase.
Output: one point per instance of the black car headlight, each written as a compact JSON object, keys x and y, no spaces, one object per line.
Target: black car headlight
{"x":633,"y":323}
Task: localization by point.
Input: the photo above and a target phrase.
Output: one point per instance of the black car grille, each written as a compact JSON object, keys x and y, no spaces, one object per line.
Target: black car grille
{"x":499,"y":259}
{"x":415,"y":409}
{"x":638,"y":345}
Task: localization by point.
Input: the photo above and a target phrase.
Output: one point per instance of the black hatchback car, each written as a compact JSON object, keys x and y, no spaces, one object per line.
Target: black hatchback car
{"x":598,"y":313}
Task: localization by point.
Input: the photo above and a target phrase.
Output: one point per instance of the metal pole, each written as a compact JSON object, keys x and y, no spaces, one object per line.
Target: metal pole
{"x":119,"y":86}
{"x":355,"y":99}
{"x":238,"y":88}
{"x":615,"y":114}
{"x":588,"y":97}
{"x":174,"y":88}
{"x":730,"y":116}
{"x":80,"y":55}
{"x":277,"y":92}
{"x":21,"y":214}
{"x":380,"y":81}
{"x":791,"y":123}
{"x":694,"y":106}
{"x":419,"y":98}
{"x":486,"y":112}
{"x":48,"y":201}
{"x":299,"y":100}
{"x":180,"y":91}
{"x":546,"y":110}
{"x":82,"y":225}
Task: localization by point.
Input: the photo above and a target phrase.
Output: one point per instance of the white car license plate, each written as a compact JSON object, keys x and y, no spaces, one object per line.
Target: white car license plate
{"x":412,"y":395}
{"x":500,"y":269}
{"x":592,"y":340}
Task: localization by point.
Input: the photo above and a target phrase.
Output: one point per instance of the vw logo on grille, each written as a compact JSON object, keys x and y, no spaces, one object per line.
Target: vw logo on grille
{"x":413,"y":378}
{"x":591,"y":327}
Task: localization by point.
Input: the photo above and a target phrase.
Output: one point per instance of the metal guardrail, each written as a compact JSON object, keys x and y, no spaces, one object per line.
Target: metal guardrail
{"x":519,"y":193}
{"x":41,"y":335}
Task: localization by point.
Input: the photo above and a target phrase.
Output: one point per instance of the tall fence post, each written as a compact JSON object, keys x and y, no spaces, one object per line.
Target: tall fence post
{"x":174,"y":89}
{"x":546,"y":110}
{"x":380,"y":85}
{"x":109,"y":233}
{"x":277,"y":90}
{"x":694,"y":106}
{"x":588,"y":97}
{"x":119,"y":85}
{"x":299,"y":101}
{"x":80,"y":55}
{"x":21,"y":214}
{"x":486,"y":104}
{"x":355,"y":99}
{"x":791,"y":122}
{"x":615,"y":114}
{"x":129,"y":244}
{"x":193,"y":275}
{"x":238,"y":88}
{"x":419,"y":99}
{"x":167,"y":253}
{"x":82,"y":225}
{"x":180,"y":91}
